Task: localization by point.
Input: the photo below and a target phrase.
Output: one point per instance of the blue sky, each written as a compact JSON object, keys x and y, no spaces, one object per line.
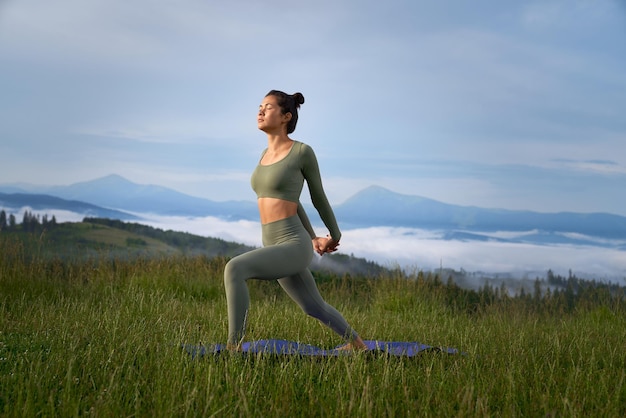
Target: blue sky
{"x":516,"y":105}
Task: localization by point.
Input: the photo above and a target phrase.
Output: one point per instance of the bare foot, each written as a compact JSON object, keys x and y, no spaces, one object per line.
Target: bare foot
{"x":233,"y":347}
{"x":355,"y":345}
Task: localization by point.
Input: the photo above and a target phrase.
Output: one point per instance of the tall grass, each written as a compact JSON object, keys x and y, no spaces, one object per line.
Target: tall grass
{"x":102,"y":338}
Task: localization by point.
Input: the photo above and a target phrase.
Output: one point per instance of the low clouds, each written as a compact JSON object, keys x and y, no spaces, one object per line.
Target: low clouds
{"x":425,"y":250}
{"x":415,"y":249}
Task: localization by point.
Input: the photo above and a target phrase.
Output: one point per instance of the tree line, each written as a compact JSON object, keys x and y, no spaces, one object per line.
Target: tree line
{"x":30,"y":222}
{"x":555,"y":295}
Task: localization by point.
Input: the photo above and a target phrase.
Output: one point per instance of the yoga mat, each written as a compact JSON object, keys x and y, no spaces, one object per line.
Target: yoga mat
{"x":285,"y":347}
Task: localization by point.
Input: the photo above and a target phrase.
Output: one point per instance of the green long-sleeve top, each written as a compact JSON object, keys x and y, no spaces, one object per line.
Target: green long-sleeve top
{"x":284,"y":179}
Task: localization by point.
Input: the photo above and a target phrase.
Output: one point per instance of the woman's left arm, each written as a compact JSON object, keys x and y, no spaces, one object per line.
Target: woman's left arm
{"x":311,"y":172}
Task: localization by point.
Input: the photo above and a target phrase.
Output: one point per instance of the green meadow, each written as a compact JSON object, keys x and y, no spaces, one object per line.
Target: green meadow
{"x":100,"y":336}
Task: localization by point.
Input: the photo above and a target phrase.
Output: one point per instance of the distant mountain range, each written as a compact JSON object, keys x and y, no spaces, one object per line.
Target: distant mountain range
{"x":115,"y":192}
{"x":47,"y":202}
{"x":117,"y":198}
{"x":379,"y":206}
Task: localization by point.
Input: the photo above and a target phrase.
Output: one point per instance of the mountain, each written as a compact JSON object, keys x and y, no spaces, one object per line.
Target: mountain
{"x":47,"y":202}
{"x":116,"y":192}
{"x":373,"y":206}
{"x":99,"y":238}
{"x":378,"y":206}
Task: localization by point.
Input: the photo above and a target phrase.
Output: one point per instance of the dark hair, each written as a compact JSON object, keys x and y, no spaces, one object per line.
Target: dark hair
{"x":288,"y":103}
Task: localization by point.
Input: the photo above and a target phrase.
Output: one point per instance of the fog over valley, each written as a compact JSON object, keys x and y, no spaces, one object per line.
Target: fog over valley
{"x":417,"y":249}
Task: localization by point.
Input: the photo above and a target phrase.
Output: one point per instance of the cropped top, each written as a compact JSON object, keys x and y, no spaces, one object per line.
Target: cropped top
{"x":284,"y":180}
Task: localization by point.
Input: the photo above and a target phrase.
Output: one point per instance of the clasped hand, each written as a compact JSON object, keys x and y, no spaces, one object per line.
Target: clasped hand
{"x":323,"y":245}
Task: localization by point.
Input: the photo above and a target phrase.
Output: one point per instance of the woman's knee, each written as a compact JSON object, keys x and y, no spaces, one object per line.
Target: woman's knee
{"x":233,"y":271}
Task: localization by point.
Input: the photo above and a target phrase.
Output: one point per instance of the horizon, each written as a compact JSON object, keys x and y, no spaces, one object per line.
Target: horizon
{"x":488,"y":104}
{"x":414,"y":249}
{"x":306,"y":200}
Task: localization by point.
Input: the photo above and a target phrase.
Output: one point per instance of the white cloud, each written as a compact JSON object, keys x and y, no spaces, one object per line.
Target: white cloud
{"x":416,"y":249}
{"x":245,"y":232}
{"x":595,"y":166}
{"x":426,"y":251}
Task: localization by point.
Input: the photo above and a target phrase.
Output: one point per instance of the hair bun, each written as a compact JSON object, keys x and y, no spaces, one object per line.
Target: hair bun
{"x":298,"y":98}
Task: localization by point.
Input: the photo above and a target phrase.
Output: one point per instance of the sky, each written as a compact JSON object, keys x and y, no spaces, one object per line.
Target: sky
{"x":515,"y":105}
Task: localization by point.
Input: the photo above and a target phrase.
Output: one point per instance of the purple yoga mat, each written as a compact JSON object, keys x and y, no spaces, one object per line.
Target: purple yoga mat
{"x":284,"y":347}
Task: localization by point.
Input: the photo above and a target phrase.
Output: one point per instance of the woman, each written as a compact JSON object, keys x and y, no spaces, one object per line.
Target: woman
{"x":288,"y":238}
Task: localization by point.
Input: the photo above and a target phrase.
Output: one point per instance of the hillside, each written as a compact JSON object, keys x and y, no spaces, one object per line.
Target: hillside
{"x":115,"y":239}
{"x":105,"y":238}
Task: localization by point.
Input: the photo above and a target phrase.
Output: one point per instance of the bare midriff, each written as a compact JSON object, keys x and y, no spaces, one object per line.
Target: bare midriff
{"x":272,"y":209}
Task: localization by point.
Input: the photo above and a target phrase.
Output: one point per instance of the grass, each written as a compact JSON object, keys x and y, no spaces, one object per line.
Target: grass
{"x":102,"y":338}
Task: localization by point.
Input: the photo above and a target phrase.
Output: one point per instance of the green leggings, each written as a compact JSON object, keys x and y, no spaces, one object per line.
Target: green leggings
{"x":286,"y":254}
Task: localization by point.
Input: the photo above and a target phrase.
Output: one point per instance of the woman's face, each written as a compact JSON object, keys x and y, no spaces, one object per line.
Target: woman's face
{"x":270,"y":118}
